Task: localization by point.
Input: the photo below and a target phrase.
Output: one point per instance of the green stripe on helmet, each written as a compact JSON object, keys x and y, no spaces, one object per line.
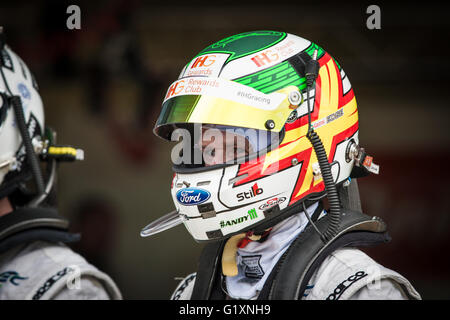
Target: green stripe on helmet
{"x":244,"y":44}
{"x":310,"y":50}
{"x":274,"y":78}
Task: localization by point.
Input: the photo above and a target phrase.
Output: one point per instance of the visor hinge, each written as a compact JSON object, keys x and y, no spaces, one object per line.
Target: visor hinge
{"x":270,"y":124}
{"x":295,"y":98}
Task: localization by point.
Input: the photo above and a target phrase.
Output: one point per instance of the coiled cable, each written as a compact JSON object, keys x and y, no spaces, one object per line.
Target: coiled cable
{"x":330,"y":186}
{"x":311,"y":72}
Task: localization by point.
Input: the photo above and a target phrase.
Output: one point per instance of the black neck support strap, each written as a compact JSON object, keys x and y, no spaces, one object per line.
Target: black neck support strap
{"x":307,"y":252}
{"x":31,"y":224}
{"x":295,"y":268}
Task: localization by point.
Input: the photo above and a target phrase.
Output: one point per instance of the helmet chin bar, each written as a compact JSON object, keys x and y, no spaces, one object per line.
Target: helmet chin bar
{"x":168,"y":221}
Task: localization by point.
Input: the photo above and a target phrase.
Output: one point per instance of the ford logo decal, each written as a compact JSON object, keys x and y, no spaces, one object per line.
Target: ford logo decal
{"x":192,"y":196}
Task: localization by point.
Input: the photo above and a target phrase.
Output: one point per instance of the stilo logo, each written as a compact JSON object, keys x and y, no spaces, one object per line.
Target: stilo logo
{"x":254,"y":191}
{"x":192,"y":196}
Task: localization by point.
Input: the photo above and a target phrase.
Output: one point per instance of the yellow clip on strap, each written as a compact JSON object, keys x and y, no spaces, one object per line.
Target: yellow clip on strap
{"x":229,"y":266}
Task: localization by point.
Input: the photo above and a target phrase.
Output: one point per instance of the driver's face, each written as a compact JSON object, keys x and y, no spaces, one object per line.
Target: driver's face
{"x":219,"y":147}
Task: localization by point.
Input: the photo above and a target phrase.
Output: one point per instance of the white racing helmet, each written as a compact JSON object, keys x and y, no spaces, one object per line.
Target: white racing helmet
{"x":244,"y":109}
{"x":24,"y":140}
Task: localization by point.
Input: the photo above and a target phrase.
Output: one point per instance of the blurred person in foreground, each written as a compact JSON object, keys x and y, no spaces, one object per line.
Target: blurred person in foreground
{"x":268,"y":125}
{"x":35,"y":262}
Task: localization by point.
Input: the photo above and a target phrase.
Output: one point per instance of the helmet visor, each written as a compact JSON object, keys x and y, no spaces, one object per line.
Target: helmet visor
{"x":205,"y":146}
{"x":222,"y":102}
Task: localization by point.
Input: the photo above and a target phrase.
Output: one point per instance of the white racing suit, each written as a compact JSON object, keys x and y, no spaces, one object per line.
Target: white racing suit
{"x":346,"y":274}
{"x":45,"y":270}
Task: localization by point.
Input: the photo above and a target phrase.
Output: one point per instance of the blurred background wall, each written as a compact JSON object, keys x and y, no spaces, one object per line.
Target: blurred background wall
{"x":102,"y":87}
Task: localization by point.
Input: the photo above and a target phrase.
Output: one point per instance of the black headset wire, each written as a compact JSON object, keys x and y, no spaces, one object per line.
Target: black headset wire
{"x":311,"y":73}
